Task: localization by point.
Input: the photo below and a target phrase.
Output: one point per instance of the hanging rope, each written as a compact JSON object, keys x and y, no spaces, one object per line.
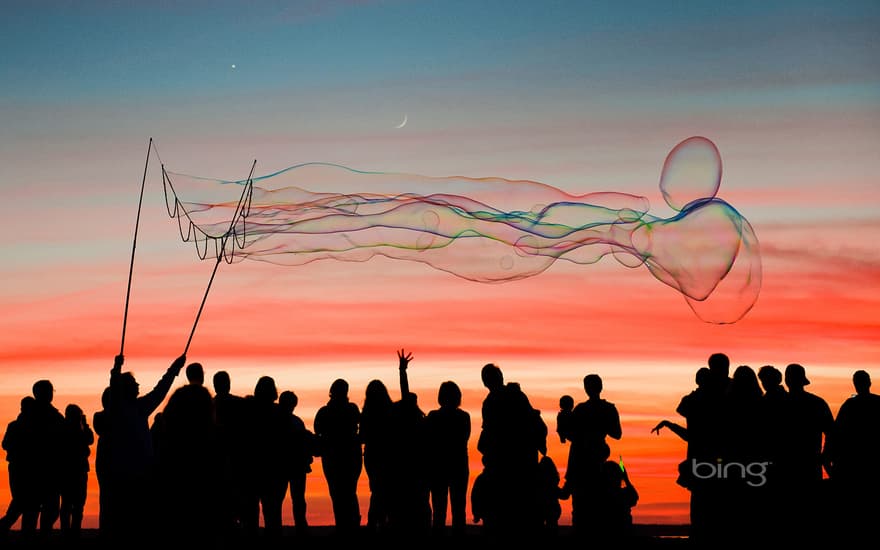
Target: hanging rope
{"x":241,"y":211}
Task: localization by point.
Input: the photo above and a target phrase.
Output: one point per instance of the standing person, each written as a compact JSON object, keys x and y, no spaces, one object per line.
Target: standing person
{"x":810,"y":423}
{"x":264,"y":444}
{"x":410,"y":501}
{"x":854,"y":452}
{"x":745,"y":457}
{"x":448,"y":430}
{"x":376,"y":434}
{"x":592,"y":422}
{"x":76,"y":448}
{"x":43,"y":451}
{"x":14,"y":440}
{"x":512,"y":437}
{"x":101,"y":425}
{"x":188,"y":458}
{"x":130,"y":455}
{"x":703,"y":410}
{"x":229,"y":421}
{"x":299,"y":449}
{"x":773,"y":411}
{"x":336,"y":428}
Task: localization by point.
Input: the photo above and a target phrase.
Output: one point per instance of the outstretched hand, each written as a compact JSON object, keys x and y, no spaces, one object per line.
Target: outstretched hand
{"x":404,"y":357}
{"x":117,"y":363}
{"x":662,"y":424}
{"x":179,"y":363}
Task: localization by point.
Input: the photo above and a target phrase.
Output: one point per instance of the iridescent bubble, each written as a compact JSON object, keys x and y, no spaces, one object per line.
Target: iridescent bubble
{"x":487,"y":230}
{"x":692,"y":171}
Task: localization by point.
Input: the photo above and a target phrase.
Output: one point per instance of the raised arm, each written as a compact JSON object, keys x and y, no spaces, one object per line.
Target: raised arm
{"x":403,"y":361}
{"x":151,"y":401}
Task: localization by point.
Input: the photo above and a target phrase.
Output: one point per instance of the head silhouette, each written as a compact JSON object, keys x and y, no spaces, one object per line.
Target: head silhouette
{"x":128,"y":387}
{"x":566,"y":402}
{"x":745,"y":382}
{"x":770,"y":377}
{"x":195,"y":373}
{"x":795,"y":377}
{"x":222,"y":383}
{"x":376,"y":394}
{"x":862,"y":382}
{"x":593,"y":385}
{"x":339,"y":390}
{"x":27,"y":403}
{"x":265,"y":390}
{"x":719,"y":364}
{"x":449,"y":395}
{"x":288,"y":401}
{"x":410,"y":399}
{"x":492,"y":376}
{"x":73,"y":413}
{"x":43,"y":391}
{"x":105,"y":397}
{"x":703,"y":376}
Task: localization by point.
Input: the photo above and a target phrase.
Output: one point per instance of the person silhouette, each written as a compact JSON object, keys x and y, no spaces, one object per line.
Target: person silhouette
{"x":188,"y":458}
{"x":15,"y":445}
{"x":703,"y":411}
{"x":854,"y":452}
{"x":701,"y":379}
{"x":230,"y":425}
{"x":617,"y":497}
{"x":550,"y":494}
{"x":810,"y":421}
{"x":131,"y":512}
{"x":745,"y":458}
{"x":265,"y":441}
{"x":409,"y":504}
{"x":773,"y":412}
{"x":592,"y":422}
{"x":101,"y":427}
{"x":76,"y":448}
{"x":299,"y":448}
{"x":43,"y":450}
{"x":376,"y":434}
{"x":336,"y":428}
{"x":512,"y":437}
{"x":448,"y":430}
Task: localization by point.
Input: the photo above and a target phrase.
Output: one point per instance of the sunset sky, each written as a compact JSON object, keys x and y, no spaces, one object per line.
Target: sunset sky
{"x":582,"y":96}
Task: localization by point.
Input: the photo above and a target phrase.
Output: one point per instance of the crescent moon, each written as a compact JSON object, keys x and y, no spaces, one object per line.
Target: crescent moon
{"x":402,"y":124}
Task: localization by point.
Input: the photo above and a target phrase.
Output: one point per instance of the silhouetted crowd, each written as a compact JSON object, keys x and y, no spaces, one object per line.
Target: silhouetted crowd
{"x":766,"y":460}
{"x":770,"y":462}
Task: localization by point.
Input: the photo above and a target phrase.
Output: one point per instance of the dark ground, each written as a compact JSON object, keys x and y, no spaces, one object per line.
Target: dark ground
{"x":326,"y":538}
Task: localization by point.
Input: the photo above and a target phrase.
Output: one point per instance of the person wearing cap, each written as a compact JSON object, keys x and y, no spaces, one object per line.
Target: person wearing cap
{"x":809,"y":422}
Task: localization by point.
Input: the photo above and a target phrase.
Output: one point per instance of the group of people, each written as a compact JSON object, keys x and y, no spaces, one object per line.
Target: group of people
{"x":210,"y":466}
{"x":48,"y":455}
{"x":767,"y":458}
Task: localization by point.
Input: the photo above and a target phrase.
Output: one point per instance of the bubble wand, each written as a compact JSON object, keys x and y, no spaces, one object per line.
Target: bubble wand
{"x":134,"y":246}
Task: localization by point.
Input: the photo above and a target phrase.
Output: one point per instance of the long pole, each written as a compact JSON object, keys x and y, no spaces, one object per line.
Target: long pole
{"x":205,"y":297}
{"x":220,"y":253}
{"x":134,"y":247}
